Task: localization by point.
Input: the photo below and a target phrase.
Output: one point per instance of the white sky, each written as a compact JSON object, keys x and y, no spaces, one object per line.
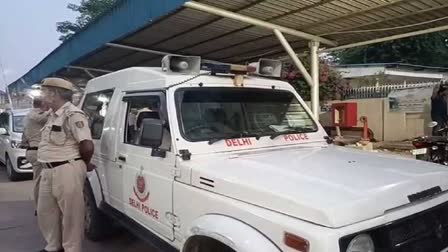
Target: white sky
{"x":28,"y":34}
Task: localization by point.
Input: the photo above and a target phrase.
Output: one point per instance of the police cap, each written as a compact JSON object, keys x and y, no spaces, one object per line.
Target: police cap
{"x":57,"y":82}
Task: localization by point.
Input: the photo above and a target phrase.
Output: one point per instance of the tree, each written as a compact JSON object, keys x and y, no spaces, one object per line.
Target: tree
{"x":89,"y":10}
{"x":430,"y":50}
{"x":332,"y":85}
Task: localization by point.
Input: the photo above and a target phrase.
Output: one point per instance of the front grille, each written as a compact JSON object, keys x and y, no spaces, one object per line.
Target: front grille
{"x":423,"y":232}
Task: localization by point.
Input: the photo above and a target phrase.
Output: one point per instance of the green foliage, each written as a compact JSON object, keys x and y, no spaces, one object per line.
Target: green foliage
{"x":332,"y":85}
{"x":88,"y":10}
{"x":430,"y":50}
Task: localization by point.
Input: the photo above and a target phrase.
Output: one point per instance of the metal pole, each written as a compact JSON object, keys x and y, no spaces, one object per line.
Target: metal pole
{"x":256,"y":22}
{"x":89,"y":73}
{"x":9,"y":97}
{"x":399,"y":36}
{"x":138,"y":49}
{"x":294,"y":57}
{"x":314,"y":48}
{"x":89,"y":69}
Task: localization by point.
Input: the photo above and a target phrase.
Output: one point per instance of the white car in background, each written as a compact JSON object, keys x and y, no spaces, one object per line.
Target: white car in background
{"x":11,"y":154}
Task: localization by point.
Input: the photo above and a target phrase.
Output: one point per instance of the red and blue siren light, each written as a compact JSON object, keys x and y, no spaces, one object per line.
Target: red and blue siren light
{"x":223,"y":68}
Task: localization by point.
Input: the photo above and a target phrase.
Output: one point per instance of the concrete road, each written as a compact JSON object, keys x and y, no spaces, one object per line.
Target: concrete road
{"x":19,"y":231}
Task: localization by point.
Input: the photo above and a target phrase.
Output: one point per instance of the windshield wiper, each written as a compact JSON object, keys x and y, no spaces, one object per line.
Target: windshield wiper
{"x":238,"y":135}
{"x":293,"y":130}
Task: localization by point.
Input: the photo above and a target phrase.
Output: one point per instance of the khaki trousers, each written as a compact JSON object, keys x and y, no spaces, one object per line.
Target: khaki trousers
{"x":31,"y":156}
{"x":60,"y":212}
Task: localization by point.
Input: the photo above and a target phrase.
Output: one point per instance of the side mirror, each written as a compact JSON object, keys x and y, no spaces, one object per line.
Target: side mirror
{"x":432,"y":124}
{"x":3,"y":131}
{"x":151,"y":133}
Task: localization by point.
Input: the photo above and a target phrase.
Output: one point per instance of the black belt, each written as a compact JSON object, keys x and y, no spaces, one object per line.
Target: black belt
{"x":32,"y":148}
{"x":56,"y":164}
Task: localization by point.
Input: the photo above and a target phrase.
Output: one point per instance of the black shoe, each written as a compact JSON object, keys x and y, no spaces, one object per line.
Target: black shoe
{"x":43,"y":250}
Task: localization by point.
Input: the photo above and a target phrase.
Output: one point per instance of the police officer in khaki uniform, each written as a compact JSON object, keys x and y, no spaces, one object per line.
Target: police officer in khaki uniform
{"x":34,"y":122}
{"x":65,"y":152}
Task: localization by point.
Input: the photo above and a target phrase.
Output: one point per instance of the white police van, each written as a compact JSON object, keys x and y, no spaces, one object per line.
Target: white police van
{"x":223,"y":159}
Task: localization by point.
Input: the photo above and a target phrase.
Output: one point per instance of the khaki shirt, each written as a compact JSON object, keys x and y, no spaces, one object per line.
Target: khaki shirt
{"x":34,"y":122}
{"x":62,"y":133}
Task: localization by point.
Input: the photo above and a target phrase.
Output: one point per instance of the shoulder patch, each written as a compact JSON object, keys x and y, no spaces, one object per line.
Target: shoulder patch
{"x":79,"y":124}
{"x":72,"y":113}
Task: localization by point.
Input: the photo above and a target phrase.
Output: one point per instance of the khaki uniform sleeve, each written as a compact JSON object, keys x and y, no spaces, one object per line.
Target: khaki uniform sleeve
{"x":24,"y":139}
{"x":77,"y":123}
{"x":41,"y":117}
{"x":25,"y":130}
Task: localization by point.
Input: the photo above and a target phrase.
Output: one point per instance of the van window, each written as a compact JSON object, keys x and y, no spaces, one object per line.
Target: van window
{"x":217,"y":113}
{"x":139,"y":108}
{"x":96,"y":106}
{"x":18,"y":124}
{"x":4,"y":121}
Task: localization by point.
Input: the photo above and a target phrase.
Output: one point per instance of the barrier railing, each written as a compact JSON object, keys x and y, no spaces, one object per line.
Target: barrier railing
{"x":381,"y":91}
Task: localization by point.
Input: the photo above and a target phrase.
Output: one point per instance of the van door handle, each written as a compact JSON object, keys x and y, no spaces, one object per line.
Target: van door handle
{"x":122,"y":158}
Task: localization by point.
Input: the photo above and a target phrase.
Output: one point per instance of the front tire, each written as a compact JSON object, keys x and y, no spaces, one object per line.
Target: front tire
{"x":97,"y":226}
{"x":205,"y":244}
{"x":12,"y":174}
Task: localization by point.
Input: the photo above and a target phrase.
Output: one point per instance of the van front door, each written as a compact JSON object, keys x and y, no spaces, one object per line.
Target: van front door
{"x":148,"y":180}
{"x":99,"y":108}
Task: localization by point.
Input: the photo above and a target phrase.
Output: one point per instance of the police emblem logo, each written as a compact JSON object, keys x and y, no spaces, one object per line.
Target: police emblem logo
{"x":80,"y":124}
{"x":140,"y":188}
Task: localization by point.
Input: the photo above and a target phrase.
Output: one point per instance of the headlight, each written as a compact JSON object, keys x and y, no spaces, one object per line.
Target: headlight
{"x":15,"y":144}
{"x":361,"y":243}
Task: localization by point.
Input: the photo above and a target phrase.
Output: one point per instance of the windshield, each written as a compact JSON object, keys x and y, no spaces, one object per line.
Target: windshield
{"x":18,"y":123}
{"x":220,"y":113}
